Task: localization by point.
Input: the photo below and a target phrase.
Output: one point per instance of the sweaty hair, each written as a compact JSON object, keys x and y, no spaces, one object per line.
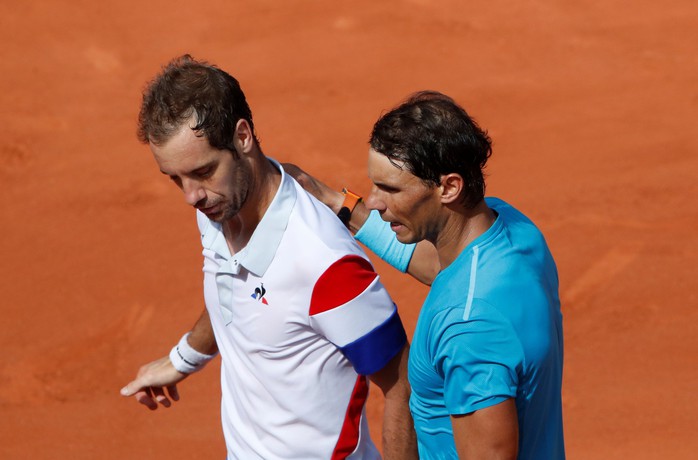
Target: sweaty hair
{"x":430,"y":135}
{"x":185,"y":88}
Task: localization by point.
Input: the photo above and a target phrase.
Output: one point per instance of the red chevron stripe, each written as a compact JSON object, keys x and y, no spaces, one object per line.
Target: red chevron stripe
{"x":349,"y":436}
{"x":342,"y":281}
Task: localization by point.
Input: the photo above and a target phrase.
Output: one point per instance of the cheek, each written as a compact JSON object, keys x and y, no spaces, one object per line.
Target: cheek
{"x":407,"y":204}
{"x":401,"y":209}
{"x":239,"y":185}
{"x":227,"y":185}
{"x":412,"y":209}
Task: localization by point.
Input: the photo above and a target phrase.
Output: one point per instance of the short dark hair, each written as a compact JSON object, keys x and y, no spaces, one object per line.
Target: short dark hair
{"x":185,"y":88}
{"x":432,"y":135}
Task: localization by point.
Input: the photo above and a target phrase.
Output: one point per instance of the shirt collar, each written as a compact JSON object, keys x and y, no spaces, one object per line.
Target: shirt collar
{"x":259,"y":252}
{"x":265,"y":240}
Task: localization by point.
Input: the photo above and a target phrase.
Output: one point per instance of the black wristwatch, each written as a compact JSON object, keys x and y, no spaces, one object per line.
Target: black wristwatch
{"x":351,"y":199}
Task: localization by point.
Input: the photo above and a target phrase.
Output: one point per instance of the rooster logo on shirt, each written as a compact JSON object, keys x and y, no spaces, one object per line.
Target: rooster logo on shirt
{"x":259,"y":294}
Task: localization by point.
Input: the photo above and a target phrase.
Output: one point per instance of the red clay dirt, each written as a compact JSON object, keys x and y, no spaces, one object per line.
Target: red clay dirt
{"x":592,"y":106}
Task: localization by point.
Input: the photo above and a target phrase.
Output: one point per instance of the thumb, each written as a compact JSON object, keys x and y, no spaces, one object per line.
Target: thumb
{"x":132,"y":388}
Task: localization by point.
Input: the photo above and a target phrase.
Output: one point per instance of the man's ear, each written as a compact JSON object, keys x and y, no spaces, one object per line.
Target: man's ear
{"x":451,"y":187}
{"x":243,"y":138}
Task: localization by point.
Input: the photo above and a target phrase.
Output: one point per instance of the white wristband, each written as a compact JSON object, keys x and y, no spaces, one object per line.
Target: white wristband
{"x":187,"y":360}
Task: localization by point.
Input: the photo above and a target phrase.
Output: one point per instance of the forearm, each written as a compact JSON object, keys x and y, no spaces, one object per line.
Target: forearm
{"x":201,"y":337}
{"x":424,"y":261}
{"x":422,"y":264}
{"x":358,"y":217}
{"x":399,"y":437}
{"x":196,"y":348}
{"x":420,"y":260}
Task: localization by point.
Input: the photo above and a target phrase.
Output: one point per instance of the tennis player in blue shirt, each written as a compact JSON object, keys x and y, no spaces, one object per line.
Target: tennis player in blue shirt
{"x":485,"y":364}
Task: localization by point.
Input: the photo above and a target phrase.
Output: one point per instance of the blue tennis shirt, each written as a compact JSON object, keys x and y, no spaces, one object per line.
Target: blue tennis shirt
{"x":489,"y":330}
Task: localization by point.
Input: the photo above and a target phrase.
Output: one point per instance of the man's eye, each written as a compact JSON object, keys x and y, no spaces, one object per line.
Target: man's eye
{"x":204,"y":173}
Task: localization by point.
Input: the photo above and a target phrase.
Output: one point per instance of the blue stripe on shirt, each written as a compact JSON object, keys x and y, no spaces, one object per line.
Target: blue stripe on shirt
{"x":373,"y":351}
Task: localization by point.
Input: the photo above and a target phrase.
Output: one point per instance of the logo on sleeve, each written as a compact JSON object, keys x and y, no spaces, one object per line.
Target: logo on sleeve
{"x":259,"y":294}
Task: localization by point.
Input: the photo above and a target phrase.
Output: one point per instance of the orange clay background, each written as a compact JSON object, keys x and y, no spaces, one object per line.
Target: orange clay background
{"x":592,"y":106}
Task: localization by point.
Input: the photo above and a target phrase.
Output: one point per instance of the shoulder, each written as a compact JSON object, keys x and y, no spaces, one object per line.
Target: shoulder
{"x":314,"y":226}
{"x":349,"y":277}
{"x":514,"y":220}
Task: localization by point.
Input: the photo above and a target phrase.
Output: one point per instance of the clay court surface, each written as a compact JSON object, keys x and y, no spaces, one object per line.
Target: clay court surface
{"x":592,"y":106}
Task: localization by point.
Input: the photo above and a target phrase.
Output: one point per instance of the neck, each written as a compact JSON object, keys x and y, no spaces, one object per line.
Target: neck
{"x":265,"y":182}
{"x":461,"y":228}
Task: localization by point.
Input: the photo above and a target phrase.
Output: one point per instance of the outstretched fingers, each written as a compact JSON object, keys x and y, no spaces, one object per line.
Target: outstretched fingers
{"x":156,"y":384}
{"x":145,"y":397}
{"x":159,"y":396}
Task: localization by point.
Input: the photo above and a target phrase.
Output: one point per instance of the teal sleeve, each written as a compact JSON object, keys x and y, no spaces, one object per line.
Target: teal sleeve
{"x":376,"y":235}
{"x":478,"y":359}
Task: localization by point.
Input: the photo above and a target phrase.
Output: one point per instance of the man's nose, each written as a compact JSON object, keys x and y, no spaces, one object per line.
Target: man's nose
{"x":193,"y":192}
{"x":374,"y":202}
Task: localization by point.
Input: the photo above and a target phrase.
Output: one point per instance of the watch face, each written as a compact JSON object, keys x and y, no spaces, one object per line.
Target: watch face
{"x":344,"y":215}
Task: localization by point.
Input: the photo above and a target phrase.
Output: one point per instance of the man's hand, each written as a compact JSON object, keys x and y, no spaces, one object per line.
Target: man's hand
{"x":152,"y":381}
{"x":332,"y":198}
{"x":424,"y":264}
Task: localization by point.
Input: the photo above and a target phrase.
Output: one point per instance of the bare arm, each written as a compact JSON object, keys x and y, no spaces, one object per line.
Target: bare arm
{"x":424,"y":264}
{"x":201,"y":337}
{"x":399,"y":438}
{"x":156,"y":382}
{"x":489,"y":434}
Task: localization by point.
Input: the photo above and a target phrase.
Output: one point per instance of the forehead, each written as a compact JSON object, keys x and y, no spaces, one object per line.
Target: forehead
{"x":184,"y":151}
{"x":381,"y":170}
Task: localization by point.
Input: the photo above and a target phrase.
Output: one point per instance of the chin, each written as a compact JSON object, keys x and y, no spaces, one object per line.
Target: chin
{"x":222,"y":216}
{"x":218,"y":218}
{"x":406,"y":239}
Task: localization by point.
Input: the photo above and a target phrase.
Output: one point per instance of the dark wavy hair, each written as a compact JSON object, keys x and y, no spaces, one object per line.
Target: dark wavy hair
{"x":185,"y":88}
{"x":430,"y":135}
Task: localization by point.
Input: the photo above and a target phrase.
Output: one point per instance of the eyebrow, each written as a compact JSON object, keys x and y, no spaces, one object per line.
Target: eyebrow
{"x":193,"y":171}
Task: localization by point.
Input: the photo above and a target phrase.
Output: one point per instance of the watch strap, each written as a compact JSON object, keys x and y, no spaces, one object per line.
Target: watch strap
{"x":351,"y":199}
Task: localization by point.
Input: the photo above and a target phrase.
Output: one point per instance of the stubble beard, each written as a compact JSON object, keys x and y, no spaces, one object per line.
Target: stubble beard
{"x":232,"y":207}
{"x":227,"y":213}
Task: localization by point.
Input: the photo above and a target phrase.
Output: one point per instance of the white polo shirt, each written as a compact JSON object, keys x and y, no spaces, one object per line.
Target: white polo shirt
{"x":300,"y":319}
